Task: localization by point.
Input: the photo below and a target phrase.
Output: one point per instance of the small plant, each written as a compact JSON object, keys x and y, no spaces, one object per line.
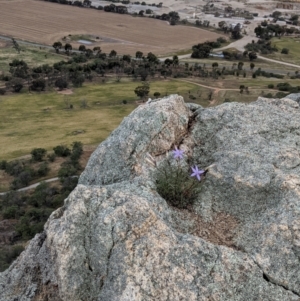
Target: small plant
{"x":175,"y":183}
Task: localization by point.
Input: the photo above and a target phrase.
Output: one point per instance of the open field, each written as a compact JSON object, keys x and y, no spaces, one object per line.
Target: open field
{"x":259,"y":63}
{"x":293,"y":44}
{"x":45,"y":22}
{"x":42,"y":120}
{"x":228,"y":88}
{"x":33,"y":56}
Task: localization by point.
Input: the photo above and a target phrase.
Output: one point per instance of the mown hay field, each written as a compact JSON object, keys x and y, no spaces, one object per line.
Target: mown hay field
{"x":45,"y":22}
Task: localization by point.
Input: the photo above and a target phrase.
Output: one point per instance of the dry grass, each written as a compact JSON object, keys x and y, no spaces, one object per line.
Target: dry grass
{"x":45,"y":22}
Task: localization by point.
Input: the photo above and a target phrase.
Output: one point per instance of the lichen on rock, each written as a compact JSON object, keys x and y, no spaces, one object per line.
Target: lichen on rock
{"x":116,"y":239}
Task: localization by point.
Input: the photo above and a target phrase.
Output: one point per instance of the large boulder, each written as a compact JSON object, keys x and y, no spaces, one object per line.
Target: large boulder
{"x":116,"y":239}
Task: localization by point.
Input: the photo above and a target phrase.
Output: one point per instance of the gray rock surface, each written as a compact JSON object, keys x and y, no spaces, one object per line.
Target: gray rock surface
{"x":116,"y":239}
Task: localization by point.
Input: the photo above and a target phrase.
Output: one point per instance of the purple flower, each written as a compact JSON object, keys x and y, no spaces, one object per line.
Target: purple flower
{"x":197,"y":173}
{"x":178,"y":153}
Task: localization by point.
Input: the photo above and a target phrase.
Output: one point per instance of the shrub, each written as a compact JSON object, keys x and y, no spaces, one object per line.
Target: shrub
{"x":37,"y":154}
{"x":16,"y":84}
{"x":61,"y":151}
{"x":14,"y":168}
{"x":43,"y":169}
{"x":269,"y":95}
{"x":271,"y":86}
{"x":61,"y":83}
{"x":281,"y":94}
{"x":174,"y":182}
{"x":10,"y":212}
{"x":77,"y":151}
{"x":3,"y":164}
{"x":156,"y":94}
{"x":2,"y":91}
{"x":38,"y":85}
{"x":285,"y":51}
{"x":283,"y":86}
{"x":221,"y":40}
{"x":9,"y":254}
{"x":22,"y":180}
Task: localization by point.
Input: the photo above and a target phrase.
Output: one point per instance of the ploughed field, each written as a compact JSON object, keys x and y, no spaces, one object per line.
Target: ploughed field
{"x":45,"y":22}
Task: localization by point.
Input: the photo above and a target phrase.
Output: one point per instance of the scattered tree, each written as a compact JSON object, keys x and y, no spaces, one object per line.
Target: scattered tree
{"x":142,"y":91}
{"x":57,"y":46}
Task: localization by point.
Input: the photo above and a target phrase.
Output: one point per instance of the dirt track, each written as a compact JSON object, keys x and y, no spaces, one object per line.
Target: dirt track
{"x":45,"y":22}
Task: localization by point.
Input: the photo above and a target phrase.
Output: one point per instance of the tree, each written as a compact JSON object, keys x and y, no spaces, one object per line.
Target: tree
{"x":259,"y":31}
{"x":61,"y":83}
{"x":68,"y":48}
{"x":61,"y":151}
{"x":113,"y":54}
{"x":252,"y":56}
{"x":156,"y":94}
{"x":252,"y":65}
{"x":141,"y":13}
{"x":16,"y":45}
{"x":168,"y":62}
{"x":175,"y":60}
{"x":215,"y":65}
{"x":276,"y":14}
{"x":221,"y":24}
{"x":294,"y":19}
{"x":98,"y":49}
{"x":82,"y":48}
{"x":201,"y":50}
{"x":18,"y":68}
{"x":57,"y":46}
{"x":174,"y":16}
{"x":142,"y":72}
{"x":38,"y":85}
{"x":87,"y":3}
{"x":16,"y":84}
{"x":236,"y":32}
{"x":77,"y":79}
{"x":198,"y":22}
{"x":142,"y":91}
{"x":152,"y":58}
{"x":240,"y":65}
{"x":139,"y":54}
{"x":37,"y":154}
{"x":264,"y":23}
{"x":89,"y":53}
{"x":127,"y":58}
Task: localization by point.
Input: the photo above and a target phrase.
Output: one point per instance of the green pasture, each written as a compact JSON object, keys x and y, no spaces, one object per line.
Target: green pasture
{"x":291,"y":43}
{"x":45,"y":120}
{"x":33,"y":56}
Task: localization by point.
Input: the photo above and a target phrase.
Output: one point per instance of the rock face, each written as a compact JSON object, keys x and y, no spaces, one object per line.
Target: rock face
{"x":116,"y":239}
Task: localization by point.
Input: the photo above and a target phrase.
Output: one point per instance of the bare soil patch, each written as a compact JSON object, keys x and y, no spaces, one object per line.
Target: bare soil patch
{"x":65,"y":92}
{"x":5,"y":180}
{"x":220,"y":231}
{"x":45,"y":22}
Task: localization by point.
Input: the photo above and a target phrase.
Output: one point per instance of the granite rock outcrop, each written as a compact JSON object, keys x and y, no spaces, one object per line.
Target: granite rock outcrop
{"x":116,"y":239}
